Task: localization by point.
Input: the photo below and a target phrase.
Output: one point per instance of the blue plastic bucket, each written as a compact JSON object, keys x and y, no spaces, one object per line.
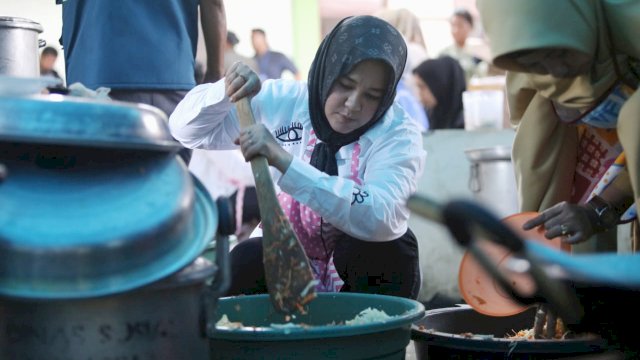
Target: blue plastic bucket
{"x":321,"y":333}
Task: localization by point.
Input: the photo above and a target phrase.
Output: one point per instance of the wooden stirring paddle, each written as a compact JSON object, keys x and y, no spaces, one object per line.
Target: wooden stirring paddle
{"x":286,"y":266}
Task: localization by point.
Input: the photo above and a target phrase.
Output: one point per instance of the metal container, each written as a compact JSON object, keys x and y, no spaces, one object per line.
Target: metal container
{"x":101,"y":232}
{"x":65,"y":120}
{"x":463,"y":333}
{"x":19,"y":45}
{"x":83,"y":224}
{"x":492,"y":179}
{"x":95,"y":200}
{"x":165,"y":320}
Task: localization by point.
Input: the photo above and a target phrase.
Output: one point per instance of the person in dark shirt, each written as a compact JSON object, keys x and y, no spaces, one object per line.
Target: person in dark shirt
{"x":231,"y":56}
{"x":48,"y":59}
{"x":271,"y":64}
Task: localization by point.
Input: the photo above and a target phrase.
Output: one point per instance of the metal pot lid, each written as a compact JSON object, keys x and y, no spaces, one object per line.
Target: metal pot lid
{"x":85,"y":225}
{"x":66,"y":120}
{"x":21,"y":23}
{"x":198,"y":272}
{"x":22,"y":86}
{"x":489,"y":154}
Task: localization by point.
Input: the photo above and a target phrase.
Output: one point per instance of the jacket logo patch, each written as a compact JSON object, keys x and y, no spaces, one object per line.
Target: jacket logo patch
{"x":358,"y":196}
{"x":290,"y":134}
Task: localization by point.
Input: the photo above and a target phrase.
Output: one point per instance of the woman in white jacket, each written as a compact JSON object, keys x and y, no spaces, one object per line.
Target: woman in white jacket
{"x":347,"y":158}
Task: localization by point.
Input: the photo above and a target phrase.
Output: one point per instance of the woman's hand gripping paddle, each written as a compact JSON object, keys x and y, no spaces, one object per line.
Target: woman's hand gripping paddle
{"x":286,"y":266}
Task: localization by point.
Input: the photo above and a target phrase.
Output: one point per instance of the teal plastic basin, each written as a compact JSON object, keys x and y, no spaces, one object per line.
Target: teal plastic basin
{"x":322,"y":335}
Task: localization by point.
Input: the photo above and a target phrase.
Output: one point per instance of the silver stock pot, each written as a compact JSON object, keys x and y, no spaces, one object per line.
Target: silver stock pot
{"x":102,"y":235}
{"x":19,"y":47}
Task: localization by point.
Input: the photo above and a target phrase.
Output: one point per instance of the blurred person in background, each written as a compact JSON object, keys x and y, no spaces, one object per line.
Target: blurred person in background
{"x":409,"y":26}
{"x":271,"y":64}
{"x":231,"y":56}
{"x":407,"y":93}
{"x":461,"y":27}
{"x":48,"y":58}
{"x":441,"y":83}
{"x":412,"y":105}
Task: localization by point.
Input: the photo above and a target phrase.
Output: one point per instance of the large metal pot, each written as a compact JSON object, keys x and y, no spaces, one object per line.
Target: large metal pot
{"x":102,"y":300}
{"x":96,"y":201}
{"x":97,"y":211}
{"x":492,"y":179}
{"x":165,"y":320}
{"x":19,"y":47}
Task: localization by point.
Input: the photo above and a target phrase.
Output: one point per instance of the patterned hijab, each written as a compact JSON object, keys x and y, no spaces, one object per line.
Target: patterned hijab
{"x":353,"y":40}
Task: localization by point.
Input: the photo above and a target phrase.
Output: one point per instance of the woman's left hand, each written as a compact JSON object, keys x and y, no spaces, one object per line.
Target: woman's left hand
{"x":570,"y":221}
{"x":256,"y":140}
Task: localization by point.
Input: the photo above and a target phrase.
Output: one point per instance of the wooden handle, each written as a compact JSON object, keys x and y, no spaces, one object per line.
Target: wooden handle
{"x":425,"y":207}
{"x":259,"y":164}
{"x":287,"y":270}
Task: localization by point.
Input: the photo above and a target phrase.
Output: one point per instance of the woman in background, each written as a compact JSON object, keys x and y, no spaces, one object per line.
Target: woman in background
{"x":441,"y":83}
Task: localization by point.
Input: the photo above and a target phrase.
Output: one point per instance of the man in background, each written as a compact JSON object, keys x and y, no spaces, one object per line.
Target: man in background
{"x":231,"y":56}
{"x":271,"y":64}
{"x":461,"y":27}
{"x":48,"y":59}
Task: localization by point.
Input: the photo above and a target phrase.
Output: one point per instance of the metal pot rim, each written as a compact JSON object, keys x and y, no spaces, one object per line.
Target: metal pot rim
{"x":68,"y":120}
{"x":501,"y":152}
{"x":481,"y":342}
{"x":19,"y":23}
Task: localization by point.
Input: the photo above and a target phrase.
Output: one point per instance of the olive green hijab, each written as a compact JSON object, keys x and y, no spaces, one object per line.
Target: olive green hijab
{"x":545,"y":149}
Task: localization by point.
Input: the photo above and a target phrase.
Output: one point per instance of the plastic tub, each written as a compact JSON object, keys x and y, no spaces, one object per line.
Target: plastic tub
{"x":322,"y":334}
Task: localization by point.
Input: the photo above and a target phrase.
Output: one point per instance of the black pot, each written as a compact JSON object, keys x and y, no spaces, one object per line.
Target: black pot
{"x":438,"y":336}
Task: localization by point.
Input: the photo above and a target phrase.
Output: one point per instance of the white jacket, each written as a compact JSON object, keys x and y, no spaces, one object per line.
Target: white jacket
{"x":391,"y":156}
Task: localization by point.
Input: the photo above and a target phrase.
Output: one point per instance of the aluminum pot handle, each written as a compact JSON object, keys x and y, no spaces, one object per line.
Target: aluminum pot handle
{"x":474,"y":178}
{"x":42,"y":43}
{"x":218,"y":287}
{"x":222,"y":279}
{"x":3,"y":172}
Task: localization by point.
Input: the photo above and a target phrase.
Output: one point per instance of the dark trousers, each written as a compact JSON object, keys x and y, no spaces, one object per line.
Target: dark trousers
{"x":389,"y":268}
{"x":165,"y":100}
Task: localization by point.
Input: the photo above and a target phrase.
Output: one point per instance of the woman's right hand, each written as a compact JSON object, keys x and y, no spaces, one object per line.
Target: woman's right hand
{"x":241,"y":81}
